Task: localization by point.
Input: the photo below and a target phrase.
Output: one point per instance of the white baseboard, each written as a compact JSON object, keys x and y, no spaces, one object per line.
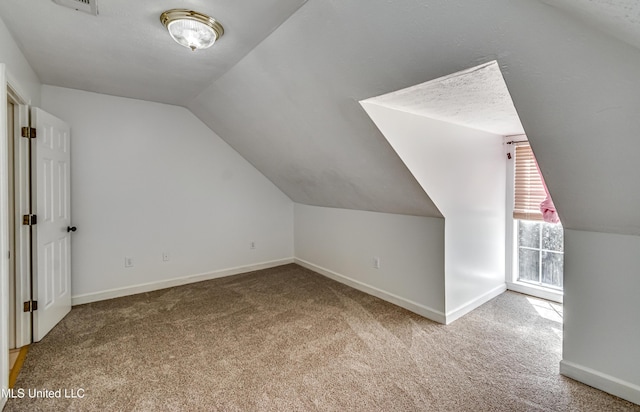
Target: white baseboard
{"x":475,"y":303}
{"x":538,"y":292}
{"x":602,"y":381}
{"x":168,"y":283}
{"x":414,"y":307}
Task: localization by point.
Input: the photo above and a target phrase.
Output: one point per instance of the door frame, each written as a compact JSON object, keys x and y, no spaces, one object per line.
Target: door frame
{"x":10,"y":90}
{"x":22,"y":206}
{"x":4,"y":240}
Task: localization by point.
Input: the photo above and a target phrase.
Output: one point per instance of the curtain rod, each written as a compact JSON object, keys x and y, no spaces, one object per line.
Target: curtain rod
{"x":515,"y":136}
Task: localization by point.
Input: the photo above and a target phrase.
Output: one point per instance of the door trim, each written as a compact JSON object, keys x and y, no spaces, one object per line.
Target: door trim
{"x":8,"y":89}
{"x":4,"y":240}
{"x":22,"y":206}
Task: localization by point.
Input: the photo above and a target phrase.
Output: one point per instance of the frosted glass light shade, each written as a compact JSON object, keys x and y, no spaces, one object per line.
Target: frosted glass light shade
{"x":191,"y":29}
{"x":192,"y":34}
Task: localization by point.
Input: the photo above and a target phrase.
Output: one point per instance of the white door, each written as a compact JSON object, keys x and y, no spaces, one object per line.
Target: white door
{"x":51,"y":243}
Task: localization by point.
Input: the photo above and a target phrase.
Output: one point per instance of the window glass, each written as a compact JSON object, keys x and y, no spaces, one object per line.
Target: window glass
{"x":552,"y":238}
{"x":529,"y":234}
{"x":540,"y":253}
{"x":529,"y":265}
{"x":552,"y":268}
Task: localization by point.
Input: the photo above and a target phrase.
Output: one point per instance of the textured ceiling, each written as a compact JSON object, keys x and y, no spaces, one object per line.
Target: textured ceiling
{"x":477,"y":98}
{"x":289,"y":103}
{"x":126,"y":51}
{"x":619,"y":18}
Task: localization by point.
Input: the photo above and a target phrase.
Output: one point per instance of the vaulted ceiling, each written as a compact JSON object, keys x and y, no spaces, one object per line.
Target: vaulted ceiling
{"x":282,"y":86}
{"x":126,"y":51}
{"x":619,"y":18}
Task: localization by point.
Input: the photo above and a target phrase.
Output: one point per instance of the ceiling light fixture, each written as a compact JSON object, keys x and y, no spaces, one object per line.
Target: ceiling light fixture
{"x":191,"y":29}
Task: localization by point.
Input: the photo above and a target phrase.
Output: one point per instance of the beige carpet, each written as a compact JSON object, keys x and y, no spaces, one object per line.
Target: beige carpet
{"x":289,"y":339}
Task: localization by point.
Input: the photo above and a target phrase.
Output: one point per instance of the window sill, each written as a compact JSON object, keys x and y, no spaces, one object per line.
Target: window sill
{"x":537,"y":291}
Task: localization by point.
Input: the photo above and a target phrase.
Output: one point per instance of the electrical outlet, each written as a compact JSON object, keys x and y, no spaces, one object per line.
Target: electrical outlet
{"x":376,"y":262}
{"x":165,"y":256}
{"x":128,"y":262}
{"x":252,"y":245}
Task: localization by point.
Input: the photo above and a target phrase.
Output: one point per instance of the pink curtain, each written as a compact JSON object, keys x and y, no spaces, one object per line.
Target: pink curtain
{"x":547,"y":207}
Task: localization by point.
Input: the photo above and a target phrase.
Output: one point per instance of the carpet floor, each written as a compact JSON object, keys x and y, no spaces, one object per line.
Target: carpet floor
{"x":289,"y":339}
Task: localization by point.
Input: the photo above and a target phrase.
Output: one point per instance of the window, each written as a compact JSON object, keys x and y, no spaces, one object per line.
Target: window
{"x":540,"y":245}
{"x":540,"y":253}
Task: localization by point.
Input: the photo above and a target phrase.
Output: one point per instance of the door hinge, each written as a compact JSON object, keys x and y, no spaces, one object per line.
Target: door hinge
{"x":30,"y":306}
{"x":29,"y":132}
{"x":29,"y":220}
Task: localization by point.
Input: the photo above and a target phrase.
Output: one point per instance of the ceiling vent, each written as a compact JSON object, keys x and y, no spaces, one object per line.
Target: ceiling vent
{"x":87,"y":6}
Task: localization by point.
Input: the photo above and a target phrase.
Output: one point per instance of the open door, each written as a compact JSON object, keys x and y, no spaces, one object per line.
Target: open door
{"x":51,"y":243}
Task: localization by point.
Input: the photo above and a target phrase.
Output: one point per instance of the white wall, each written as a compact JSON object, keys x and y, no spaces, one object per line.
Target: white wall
{"x":463,"y":171}
{"x":342,"y":244}
{"x":601,"y":344}
{"x":19,"y":73}
{"x":148,"y":178}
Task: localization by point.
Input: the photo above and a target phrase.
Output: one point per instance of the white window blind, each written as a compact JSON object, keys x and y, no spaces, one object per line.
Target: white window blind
{"x":529,"y":189}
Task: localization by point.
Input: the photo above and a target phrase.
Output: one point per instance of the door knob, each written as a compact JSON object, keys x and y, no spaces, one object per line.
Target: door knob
{"x":71,"y":228}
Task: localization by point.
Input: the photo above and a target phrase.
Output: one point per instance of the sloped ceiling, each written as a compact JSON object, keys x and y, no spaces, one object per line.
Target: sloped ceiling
{"x":126,"y":51}
{"x":619,"y":18}
{"x":290,"y":106}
